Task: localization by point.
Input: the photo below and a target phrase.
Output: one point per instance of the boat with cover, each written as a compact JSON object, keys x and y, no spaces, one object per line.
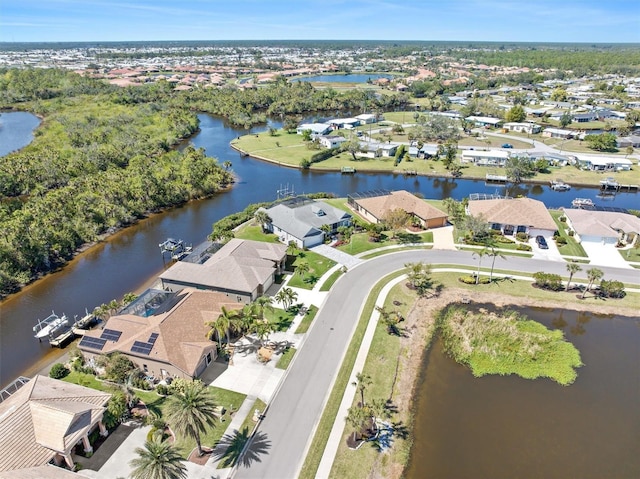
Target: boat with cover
{"x":49,"y":325}
{"x":582,"y":203}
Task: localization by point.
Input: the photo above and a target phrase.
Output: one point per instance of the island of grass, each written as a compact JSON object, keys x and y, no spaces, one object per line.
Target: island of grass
{"x":507,"y":343}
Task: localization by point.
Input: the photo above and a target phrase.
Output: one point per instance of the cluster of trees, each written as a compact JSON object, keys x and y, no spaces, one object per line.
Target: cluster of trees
{"x":602,"y":142}
{"x":434,"y":128}
{"x":97,"y":163}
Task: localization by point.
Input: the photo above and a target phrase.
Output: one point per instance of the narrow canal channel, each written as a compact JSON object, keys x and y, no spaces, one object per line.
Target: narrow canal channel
{"x":130,"y":258}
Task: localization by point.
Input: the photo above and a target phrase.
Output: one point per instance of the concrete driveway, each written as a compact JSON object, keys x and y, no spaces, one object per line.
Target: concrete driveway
{"x":551,"y":253}
{"x":604,"y":255}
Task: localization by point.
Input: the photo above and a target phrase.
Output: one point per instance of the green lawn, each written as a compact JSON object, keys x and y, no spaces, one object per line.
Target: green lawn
{"x":239,"y":440}
{"x":255,"y":233}
{"x":360,"y":241}
{"x":318,"y":265}
{"x":285,"y":359}
{"x":632,"y":254}
{"x":572,"y":248}
{"x":280,"y":318}
{"x":304,"y":325}
{"x":326,"y":286}
{"x":394,"y":250}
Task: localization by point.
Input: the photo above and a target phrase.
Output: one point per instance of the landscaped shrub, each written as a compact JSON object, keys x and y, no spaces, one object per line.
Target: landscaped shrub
{"x":522,"y":236}
{"x":472,"y":280}
{"x":612,"y":289}
{"x":571,"y":233}
{"x":548,"y":281}
{"x":560,"y":241}
{"x":523,"y":247}
{"x":162,"y":390}
{"x":58,"y":371}
{"x":118,"y":368}
{"x":563,"y":219}
{"x":503,"y":239}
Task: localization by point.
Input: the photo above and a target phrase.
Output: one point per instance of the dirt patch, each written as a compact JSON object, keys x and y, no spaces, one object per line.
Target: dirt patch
{"x":196,"y":458}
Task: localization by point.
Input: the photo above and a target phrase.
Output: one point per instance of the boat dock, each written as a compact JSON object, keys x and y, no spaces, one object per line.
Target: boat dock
{"x":410,"y":173}
{"x":68,"y":333}
{"x":176,"y":249}
{"x":347,"y":170}
{"x":489,"y":178}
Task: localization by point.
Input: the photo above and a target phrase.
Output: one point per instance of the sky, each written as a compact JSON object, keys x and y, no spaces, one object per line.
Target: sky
{"x":590,"y":21}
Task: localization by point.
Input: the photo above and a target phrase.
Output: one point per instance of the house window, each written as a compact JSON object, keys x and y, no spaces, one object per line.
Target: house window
{"x":495,"y":226}
{"x":239,"y":299}
{"x":146,"y":369}
{"x":508,"y":230}
{"x":521,"y":229}
{"x":208,"y":359}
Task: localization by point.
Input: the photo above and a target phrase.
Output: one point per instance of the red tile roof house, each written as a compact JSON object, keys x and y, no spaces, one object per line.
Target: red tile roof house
{"x":375,"y":208}
{"x":43,"y":421}
{"x":164,"y":333}
{"x":515,"y":215}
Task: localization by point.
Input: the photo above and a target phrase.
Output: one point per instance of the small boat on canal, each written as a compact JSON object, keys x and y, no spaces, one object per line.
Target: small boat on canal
{"x":559,"y":185}
{"x":582,"y":203}
{"x":49,"y":325}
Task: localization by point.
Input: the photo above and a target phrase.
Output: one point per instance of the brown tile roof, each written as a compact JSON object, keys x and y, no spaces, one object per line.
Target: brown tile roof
{"x":240,"y":265}
{"x":514,"y":211}
{"x":44,"y":416}
{"x":379,"y":206}
{"x":181,"y":331}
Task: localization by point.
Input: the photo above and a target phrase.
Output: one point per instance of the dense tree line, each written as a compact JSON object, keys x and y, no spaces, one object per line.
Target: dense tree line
{"x":101,"y":159}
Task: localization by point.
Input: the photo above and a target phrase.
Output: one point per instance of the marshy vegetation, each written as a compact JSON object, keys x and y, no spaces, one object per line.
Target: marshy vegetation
{"x":507,"y":343}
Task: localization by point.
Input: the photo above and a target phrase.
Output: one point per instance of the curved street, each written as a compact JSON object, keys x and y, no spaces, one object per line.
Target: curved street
{"x":278,"y":448}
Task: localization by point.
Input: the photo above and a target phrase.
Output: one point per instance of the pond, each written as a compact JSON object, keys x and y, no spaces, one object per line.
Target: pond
{"x":16,"y":130}
{"x":345,"y":78}
{"x":505,"y":427}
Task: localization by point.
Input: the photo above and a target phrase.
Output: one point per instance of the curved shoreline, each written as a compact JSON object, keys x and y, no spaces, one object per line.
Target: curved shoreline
{"x":394,"y":172}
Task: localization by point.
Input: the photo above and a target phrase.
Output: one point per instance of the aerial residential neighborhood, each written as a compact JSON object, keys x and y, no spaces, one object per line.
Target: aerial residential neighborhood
{"x":287,"y":253}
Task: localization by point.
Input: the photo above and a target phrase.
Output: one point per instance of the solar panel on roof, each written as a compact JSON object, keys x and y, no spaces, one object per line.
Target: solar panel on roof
{"x":141,"y":348}
{"x":152,"y":338}
{"x":93,"y":343}
{"x":111,"y":334}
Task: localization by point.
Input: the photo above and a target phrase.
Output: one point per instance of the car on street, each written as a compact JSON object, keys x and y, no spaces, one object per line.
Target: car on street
{"x":507,"y":145}
{"x":541,"y":242}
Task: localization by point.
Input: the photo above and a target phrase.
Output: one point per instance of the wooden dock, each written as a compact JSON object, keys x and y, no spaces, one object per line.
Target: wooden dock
{"x":495,"y":178}
{"x":347,"y":170}
{"x":410,"y":173}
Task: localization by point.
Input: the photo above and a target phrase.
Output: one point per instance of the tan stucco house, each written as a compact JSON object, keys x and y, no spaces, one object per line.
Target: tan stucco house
{"x":43,"y":421}
{"x":515,"y":215}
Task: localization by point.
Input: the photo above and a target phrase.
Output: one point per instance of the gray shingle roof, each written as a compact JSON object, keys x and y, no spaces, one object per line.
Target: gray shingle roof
{"x":306,"y":220}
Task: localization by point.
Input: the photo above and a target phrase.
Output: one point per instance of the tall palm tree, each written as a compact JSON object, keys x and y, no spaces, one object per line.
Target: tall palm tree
{"x":263,"y":219}
{"x":249,"y":317}
{"x":490,"y":249}
{"x":157,"y":460}
{"x":303,"y":268}
{"x":593,"y":275}
{"x":572,"y":268}
{"x":227,"y":321}
{"x":480,"y":254}
{"x":361,"y":382}
{"x":190,"y":412}
{"x":262,"y":304}
{"x":286,"y":296}
{"x":356,"y":417}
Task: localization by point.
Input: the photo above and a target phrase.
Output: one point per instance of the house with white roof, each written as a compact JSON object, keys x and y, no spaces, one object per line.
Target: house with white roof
{"x":485,"y":157}
{"x":316,"y":129}
{"x":525,"y":127}
{"x":604,"y":163}
{"x":332,"y":141}
{"x":485,"y":121}
{"x":367,"y":118}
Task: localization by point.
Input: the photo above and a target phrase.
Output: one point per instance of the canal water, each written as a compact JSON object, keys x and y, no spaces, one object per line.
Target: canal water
{"x":505,"y":427}
{"x":16,"y":130}
{"x":130,"y":258}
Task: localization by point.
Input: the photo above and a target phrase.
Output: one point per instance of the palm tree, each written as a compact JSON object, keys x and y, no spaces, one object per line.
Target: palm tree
{"x":303,"y":268}
{"x":262,"y":330}
{"x":480,"y":254}
{"x":262,"y":304}
{"x":227,"y":321}
{"x":129,"y":298}
{"x":361,"y":382}
{"x":489,"y":249}
{"x":286,"y":296}
{"x":292,"y":248}
{"x":190,"y":412}
{"x":572,"y":268}
{"x":356,"y":417}
{"x":593,"y":275}
{"x":263,"y":219}
{"x":157,"y":460}
{"x":227,"y":165}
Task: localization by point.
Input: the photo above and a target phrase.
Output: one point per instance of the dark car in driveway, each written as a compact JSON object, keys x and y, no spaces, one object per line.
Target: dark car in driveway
{"x":541,"y":242}
{"x":507,"y":145}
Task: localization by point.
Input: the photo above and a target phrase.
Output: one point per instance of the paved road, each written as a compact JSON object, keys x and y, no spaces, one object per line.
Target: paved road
{"x":279,"y":446}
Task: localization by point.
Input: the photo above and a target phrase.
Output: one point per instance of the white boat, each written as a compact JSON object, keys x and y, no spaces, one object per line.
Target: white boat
{"x":49,"y":325}
{"x":582,"y":203}
{"x":559,"y":185}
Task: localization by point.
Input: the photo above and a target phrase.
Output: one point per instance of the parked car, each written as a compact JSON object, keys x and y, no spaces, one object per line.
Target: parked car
{"x":507,"y":145}
{"x":541,"y":242}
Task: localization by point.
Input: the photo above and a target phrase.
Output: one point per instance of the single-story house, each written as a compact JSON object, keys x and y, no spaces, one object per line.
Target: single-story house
{"x":428,"y":151}
{"x":44,"y":420}
{"x":528,"y":128}
{"x":515,"y":215}
{"x":604,"y":163}
{"x":301,"y":221}
{"x":558,"y":133}
{"x":241,"y":269}
{"x":164,"y":333}
{"x":316,"y":129}
{"x":485,"y":121}
{"x":584,"y":117}
{"x":449,"y":114}
{"x":485,"y":158}
{"x":367,"y":118}
{"x":332,"y":141}
{"x":375,"y":208}
{"x":626,"y":141}
{"x":347,"y":123}
{"x":413,"y":151}
{"x":603,"y":227}
{"x":555,"y":159}
{"x":388,"y":149}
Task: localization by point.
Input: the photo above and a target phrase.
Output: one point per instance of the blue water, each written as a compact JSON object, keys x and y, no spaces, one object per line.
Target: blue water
{"x":348,"y":78}
{"x":16,"y":130}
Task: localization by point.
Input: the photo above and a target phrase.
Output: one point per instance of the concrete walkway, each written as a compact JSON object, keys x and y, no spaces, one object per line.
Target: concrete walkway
{"x":336,"y":255}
